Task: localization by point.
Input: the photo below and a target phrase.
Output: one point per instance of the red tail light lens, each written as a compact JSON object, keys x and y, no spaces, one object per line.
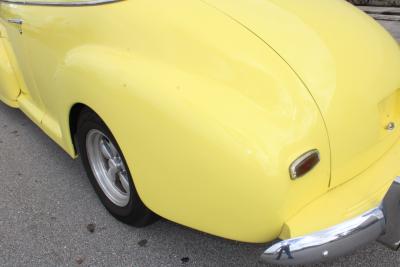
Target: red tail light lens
{"x":304,"y":164}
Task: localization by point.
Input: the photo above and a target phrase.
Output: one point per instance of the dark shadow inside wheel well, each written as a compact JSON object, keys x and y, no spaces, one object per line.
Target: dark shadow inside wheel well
{"x":73,"y":121}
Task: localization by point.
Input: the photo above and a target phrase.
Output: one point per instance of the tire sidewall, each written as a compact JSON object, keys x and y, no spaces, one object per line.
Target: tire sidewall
{"x":135,"y":209}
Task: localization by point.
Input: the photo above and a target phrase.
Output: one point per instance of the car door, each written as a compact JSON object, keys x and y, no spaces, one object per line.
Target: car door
{"x":42,"y":33}
{"x":23,"y":90}
{"x":9,"y":88}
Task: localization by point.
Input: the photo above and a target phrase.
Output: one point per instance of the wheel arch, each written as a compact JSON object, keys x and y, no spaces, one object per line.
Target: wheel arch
{"x":74,"y":113}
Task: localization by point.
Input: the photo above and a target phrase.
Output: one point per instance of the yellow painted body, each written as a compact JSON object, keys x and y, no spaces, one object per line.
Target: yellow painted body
{"x":211,"y":101}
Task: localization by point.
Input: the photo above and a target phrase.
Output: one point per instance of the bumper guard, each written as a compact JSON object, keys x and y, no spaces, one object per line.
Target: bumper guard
{"x":381,"y":224}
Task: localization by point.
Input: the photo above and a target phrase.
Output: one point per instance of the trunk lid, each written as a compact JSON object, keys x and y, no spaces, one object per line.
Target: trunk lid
{"x":348,"y":62}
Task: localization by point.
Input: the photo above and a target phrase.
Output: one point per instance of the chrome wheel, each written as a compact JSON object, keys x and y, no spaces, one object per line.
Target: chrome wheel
{"x":108,"y":168}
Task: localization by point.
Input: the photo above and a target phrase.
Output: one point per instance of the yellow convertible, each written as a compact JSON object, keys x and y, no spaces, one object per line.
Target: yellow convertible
{"x":250,"y":120}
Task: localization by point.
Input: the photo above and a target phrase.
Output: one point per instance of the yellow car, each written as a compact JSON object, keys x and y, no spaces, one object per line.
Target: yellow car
{"x":250,"y":120}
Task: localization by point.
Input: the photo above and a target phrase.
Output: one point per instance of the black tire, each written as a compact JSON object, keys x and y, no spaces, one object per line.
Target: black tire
{"x":135,"y":212}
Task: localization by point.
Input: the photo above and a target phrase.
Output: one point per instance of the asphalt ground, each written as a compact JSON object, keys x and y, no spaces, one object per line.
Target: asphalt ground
{"x":50,"y":216}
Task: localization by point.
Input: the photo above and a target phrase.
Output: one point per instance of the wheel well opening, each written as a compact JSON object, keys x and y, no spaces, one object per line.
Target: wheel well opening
{"x":73,"y":121}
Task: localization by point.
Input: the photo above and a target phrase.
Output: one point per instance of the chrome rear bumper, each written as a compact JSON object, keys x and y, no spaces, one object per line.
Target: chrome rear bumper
{"x":381,"y":223}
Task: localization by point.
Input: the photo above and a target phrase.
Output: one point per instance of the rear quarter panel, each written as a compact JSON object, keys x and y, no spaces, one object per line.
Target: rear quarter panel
{"x":350,"y":64}
{"x":208,"y":117}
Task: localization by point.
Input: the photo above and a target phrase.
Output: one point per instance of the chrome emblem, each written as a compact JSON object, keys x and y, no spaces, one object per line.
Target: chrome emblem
{"x":390,"y":126}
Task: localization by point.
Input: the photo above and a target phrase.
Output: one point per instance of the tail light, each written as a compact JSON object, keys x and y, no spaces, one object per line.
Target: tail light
{"x":304,"y":164}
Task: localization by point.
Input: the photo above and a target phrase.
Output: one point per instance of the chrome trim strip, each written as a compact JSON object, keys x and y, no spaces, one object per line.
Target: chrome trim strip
{"x":15,"y":21}
{"x":381,"y":224}
{"x":65,"y":4}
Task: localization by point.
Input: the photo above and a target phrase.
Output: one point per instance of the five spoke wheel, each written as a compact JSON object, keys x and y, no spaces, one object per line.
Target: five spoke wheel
{"x":108,"y":167}
{"x":108,"y":171}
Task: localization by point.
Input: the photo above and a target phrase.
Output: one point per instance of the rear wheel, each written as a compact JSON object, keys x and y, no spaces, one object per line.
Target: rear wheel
{"x":108,"y":172}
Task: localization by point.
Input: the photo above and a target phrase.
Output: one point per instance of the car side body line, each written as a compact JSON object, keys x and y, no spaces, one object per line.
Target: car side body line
{"x":61,"y":4}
